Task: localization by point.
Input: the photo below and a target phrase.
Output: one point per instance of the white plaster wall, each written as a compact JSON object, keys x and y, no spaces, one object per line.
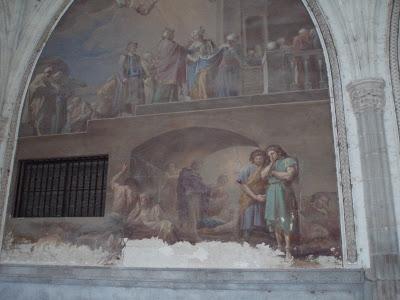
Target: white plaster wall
{"x":359,"y":211}
{"x":395,"y":150}
{"x":359,"y":29}
{"x":25,"y":26}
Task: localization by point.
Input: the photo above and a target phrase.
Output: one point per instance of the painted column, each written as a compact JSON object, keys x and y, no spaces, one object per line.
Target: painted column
{"x":368,"y":102}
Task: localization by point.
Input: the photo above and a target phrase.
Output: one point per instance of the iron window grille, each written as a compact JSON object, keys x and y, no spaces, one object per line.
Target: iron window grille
{"x":62,"y":187}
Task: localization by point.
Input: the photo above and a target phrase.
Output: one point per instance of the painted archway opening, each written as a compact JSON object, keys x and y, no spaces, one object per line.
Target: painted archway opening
{"x":188,"y":144}
{"x":87,"y":73}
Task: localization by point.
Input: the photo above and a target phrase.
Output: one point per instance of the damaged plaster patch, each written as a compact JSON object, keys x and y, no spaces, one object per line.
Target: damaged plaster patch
{"x":154,"y":253}
{"x":53,"y":254}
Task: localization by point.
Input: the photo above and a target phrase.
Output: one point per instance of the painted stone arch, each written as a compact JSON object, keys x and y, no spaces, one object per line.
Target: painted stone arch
{"x":185,"y":66}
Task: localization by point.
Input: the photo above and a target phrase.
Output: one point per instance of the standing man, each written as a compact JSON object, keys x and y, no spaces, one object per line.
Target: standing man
{"x":131,"y":74}
{"x":170,"y":68}
{"x":198,"y":66}
{"x":301,"y":42}
{"x":149,"y":81}
{"x":281,"y":206}
{"x":168,"y":199}
{"x":37,"y":102}
{"x":58,"y":84}
{"x":252,"y":198}
{"x":193,"y":198}
{"x":228,"y":78}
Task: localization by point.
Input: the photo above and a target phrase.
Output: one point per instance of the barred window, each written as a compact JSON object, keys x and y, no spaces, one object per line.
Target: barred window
{"x":63,"y":187}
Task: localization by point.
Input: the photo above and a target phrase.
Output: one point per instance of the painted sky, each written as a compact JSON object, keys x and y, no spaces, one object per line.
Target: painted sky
{"x":92,"y":34}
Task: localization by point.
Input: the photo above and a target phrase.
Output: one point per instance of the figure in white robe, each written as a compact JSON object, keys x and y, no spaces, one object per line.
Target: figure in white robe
{"x":79,"y":113}
{"x":125,"y":194}
{"x":149,"y":69}
{"x":37,"y":108}
{"x":148,"y":217}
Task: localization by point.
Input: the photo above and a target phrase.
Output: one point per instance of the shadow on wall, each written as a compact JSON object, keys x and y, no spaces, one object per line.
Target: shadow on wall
{"x":185,"y":145}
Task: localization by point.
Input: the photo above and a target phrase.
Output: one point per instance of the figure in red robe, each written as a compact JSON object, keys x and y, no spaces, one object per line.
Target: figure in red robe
{"x":170,"y":68}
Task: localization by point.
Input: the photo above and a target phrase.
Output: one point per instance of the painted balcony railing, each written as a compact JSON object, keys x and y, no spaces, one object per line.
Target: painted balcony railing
{"x":286,"y":70}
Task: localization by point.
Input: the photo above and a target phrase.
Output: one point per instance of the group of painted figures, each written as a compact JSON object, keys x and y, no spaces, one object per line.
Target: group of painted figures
{"x":188,"y":209}
{"x":52,"y":106}
{"x":268,"y":194}
{"x":199,"y":70}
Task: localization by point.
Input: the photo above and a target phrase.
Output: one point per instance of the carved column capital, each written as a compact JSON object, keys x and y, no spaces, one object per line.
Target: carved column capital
{"x":367,"y":95}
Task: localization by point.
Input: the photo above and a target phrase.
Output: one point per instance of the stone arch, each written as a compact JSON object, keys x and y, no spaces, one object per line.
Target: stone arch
{"x":315,"y":11}
{"x":394,"y":49}
{"x":339,"y":124}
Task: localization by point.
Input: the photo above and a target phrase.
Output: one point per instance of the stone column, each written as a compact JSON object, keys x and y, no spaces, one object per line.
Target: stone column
{"x":368,"y":101}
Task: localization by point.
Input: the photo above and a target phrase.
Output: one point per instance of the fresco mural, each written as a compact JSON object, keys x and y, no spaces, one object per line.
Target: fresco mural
{"x":201,"y":159}
{"x":101,"y":68}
